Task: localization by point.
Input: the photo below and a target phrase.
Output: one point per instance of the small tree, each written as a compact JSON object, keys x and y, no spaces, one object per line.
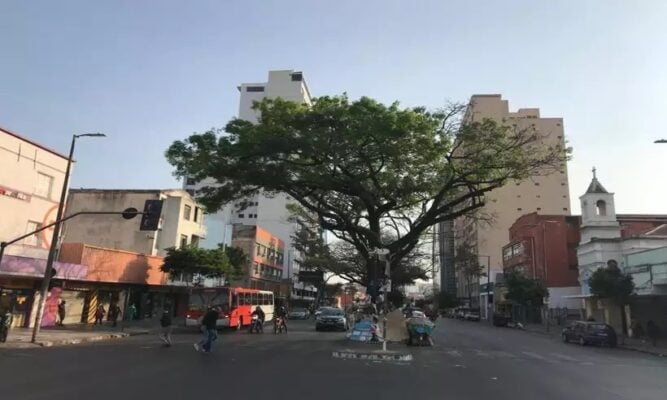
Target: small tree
{"x":190,"y":261}
{"x":611,"y":283}
{"x":525,"y":291}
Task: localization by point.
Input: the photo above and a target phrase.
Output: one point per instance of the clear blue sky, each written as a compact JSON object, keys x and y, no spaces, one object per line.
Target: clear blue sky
{"x":149,"y":72}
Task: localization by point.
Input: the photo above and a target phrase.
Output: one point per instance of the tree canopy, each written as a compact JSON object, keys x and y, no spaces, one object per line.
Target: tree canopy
{"x":190,"y":261}
{"x":365,"y":168}
{"x":612,"y":283}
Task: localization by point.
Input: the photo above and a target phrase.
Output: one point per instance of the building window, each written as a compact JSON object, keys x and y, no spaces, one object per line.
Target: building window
{"x":519,"y":209}
{"x":539,"y":208}
{"x":194,"y":242}
{"x":33,"y":240}
{"x":537,"y":184}
{"x":241,"y":215}
{"x":44,"y":185}
{"x":297,"y":77}
{"x":196,"y":214}
{"x":254,"y":89}
{"x":564,"y":208}
{"x":184,"y":241}
{"x":601,"y":208}
{"x":187,"y":210}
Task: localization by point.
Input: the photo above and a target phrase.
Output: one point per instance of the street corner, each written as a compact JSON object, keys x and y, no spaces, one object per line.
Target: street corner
{"x":372,"y":355}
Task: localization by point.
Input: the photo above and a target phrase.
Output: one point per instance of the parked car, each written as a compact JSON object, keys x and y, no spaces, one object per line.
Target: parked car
{"x":298,"y":313}
{"x":318,"y":312}
{"x":472,"y":316}
{"x":461,"y":313}
{"x":331,"y":318}
{"x":589,"y":332}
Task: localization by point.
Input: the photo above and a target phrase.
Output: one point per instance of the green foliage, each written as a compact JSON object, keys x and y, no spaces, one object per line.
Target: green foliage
{"x":364,"y":168}
{"x":525,"y":291}
{"x":446,"y":300}
{"x":227,"y":262}
{"x":612,"y":283}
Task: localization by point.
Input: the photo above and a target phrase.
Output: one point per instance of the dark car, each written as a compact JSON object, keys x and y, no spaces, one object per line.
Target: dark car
{"x":331,"y":318}
{"x":585,"y":332}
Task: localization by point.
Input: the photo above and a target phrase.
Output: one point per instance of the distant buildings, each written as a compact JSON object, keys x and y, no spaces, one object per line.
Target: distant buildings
{"x":181,"y":222}
{"x":266,"y":257}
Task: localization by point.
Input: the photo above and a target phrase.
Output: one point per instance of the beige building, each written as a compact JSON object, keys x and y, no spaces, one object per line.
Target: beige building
{"x":181,"y":223}
{"x":542,"y":194}
{"x":31,"y":179}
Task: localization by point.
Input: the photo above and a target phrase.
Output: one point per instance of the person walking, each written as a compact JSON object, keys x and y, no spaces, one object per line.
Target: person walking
{"x":209,"y":329}
{"x":165,"y":332}
{"x":61,"y":313}
{"x":99,"y":314}
{"x":131,"y":312}
{"x":114,"y":314}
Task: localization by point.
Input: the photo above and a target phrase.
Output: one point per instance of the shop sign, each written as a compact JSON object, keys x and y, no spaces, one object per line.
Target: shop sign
{"x":14,"y":194}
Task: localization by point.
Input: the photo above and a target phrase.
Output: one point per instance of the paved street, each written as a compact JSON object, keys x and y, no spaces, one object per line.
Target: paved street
{"x":469,"y":361}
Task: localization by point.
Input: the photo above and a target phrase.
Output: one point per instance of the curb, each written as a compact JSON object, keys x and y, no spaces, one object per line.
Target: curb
{"x":64,"y":342}
{"x":378,"y":355}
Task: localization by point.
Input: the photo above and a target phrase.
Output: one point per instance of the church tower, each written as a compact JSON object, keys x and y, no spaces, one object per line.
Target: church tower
{"x":598,"y":214}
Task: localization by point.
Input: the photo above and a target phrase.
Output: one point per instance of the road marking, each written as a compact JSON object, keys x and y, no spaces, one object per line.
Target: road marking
{"x":505,"y":354}
{"x":453,"y":353}
{"x":564,"y":357}
{"x":482,"y":353}
{"x":534,"y":355}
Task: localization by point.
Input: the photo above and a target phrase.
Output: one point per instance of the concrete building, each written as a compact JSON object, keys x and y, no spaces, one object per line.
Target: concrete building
{"x":604,"y":240}
{"x":264,"y":269}
{"x":181,"y":224}
{"x":544,"y":194}
{"x":269,"y":212}
{"x":443,"y":258}
{"x":31,"y":179}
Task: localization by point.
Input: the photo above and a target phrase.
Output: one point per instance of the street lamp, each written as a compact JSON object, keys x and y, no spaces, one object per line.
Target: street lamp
{"x":54,"y":239}
{"x":661,"y":141}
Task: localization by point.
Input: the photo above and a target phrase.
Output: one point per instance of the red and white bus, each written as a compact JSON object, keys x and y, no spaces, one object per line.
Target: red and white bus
{"x":236,"y":305}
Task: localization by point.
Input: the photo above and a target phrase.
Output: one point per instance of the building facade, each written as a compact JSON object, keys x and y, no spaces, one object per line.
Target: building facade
{"x":31,"y":180}
{"x":648,"y":269}
{"x":181,"y":222}
{"x":544,"y":247}
{"x":266,"y":258}
{"x":269,"y":212}
{"x":603,"y":242}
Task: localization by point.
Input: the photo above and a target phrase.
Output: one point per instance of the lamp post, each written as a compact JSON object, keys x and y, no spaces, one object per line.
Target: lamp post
{"x":660,"y":141}
{"x":54,"y":239}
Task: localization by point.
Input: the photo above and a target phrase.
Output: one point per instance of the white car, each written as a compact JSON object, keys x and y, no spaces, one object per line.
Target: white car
{"x":298,"y":313}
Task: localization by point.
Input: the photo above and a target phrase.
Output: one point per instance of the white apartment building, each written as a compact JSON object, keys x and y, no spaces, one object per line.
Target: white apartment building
{"x":181,"y":222}
{"x":31,"y":180}
{"x":542,"y":194}
{"x":269,"y":212}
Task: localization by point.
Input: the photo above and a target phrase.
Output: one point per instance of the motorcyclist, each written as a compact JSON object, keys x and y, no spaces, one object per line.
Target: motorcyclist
{"x":261,"y":316}
{"x":282,"y":315}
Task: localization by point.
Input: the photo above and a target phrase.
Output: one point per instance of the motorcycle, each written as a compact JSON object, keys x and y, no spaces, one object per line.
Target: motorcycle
{"x":256,"y":325}
{"x":279,"y":325}
{"x":5,"y":323}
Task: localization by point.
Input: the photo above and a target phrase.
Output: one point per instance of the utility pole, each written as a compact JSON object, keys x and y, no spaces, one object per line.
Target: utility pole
{"x":54,"y":238}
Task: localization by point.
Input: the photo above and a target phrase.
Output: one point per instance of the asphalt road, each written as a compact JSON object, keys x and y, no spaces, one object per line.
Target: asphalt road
{"x":469,"y":361}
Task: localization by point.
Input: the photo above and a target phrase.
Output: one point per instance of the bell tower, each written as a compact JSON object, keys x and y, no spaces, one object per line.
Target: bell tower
{"x":598,"y":214}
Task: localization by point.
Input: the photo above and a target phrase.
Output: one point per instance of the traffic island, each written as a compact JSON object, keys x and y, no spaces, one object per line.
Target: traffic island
{"x":372,"y":355}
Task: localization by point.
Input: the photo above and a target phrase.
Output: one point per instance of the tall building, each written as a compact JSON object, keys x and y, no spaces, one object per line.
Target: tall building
{"x":181,"y":221}
{"x":266,"y":252}
{"x":542,"y":194}
{"x":269,"y":212}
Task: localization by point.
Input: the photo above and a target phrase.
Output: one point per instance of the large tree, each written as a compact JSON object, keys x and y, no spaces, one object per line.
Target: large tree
{"x":363,"y":167}
{"x":524,"y":290}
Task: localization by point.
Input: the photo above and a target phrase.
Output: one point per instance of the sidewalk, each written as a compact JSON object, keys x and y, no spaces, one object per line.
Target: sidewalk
{"x":78,"y":333}
{"x":633,"y":344}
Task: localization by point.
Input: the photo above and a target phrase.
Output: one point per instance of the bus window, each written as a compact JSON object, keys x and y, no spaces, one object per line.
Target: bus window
{"x":235,"y":300}
{"x":271,"y":301}
{"x":246,"y":299}
{"x":253,"y":299}
{"x":265,"y":299}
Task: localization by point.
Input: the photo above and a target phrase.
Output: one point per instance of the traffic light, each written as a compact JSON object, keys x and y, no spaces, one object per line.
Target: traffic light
{"x":150,"y":220}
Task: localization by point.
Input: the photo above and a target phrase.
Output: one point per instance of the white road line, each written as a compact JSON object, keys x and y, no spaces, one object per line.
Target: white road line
{"x":482,"y":353}
{"x":504,"y":354}
{"x":534,"y":355}
{"x":564,"y":357}
{"x":454,"y":353}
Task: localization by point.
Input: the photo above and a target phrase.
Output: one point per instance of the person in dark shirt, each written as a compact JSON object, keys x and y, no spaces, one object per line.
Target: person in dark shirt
{"x":209,"y":324}
{"x":165,"y":332}
{"x":260,"y":314}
